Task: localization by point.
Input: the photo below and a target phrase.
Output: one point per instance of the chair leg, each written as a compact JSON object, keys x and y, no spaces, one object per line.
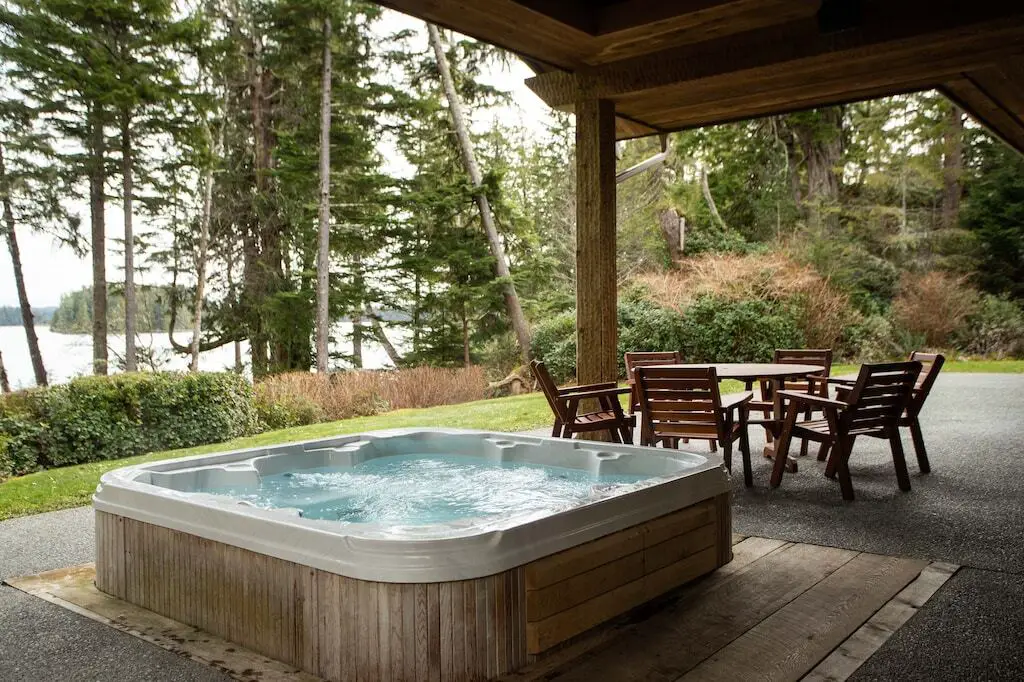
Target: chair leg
{"x":841,"y":448}
{"x":841,"y":451}
{"x":613,"y":435}
{"x":556,"y":430}
{"x":823,"y":451}
{"x":748,"y":476}
{"x":713,"y":445}
{"x":845,"y":482}
{"x":900,"y":462}
{"x":727,"y":454}
{"x":919,"y":449}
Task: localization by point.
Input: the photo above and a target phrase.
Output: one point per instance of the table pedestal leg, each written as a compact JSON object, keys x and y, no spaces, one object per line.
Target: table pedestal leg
{"x":776,"y":428}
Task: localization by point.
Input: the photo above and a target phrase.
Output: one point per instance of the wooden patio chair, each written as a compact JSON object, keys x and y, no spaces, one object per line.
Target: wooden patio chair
{"x":815,"y":384}
{"x":931,"y":365}
{"x":565,"y":403}
{"x":677,"y":403}
{"x":643,"y":359}
{"x":872,"y":407}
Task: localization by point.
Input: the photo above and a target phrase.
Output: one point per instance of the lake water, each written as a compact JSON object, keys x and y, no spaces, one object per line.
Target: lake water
{"x":66,"y":356}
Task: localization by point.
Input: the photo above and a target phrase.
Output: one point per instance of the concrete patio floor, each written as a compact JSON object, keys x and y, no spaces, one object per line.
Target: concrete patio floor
{"x":967,"y":512}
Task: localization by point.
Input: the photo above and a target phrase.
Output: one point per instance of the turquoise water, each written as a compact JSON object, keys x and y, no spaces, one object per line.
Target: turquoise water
{"x":417,"y":489}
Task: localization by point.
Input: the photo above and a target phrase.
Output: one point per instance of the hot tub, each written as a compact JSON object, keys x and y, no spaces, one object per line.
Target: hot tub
{"x":410,"y":554}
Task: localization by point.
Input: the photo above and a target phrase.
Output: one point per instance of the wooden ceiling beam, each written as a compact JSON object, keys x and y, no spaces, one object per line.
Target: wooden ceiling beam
{"x":885,"y":71}
{"x":504,"y":23}
{"x":918,"y":27}
{"x":1001,"y":115}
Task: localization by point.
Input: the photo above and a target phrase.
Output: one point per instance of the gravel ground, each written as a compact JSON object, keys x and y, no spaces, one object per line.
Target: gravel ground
{"x":967,"y":511}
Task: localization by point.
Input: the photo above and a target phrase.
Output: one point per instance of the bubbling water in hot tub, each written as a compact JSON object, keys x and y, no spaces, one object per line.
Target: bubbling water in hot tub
{"x":426,"y":488}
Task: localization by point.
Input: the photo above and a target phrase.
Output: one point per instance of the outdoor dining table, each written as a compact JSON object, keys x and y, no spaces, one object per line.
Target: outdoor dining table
{"x":775,"y":374}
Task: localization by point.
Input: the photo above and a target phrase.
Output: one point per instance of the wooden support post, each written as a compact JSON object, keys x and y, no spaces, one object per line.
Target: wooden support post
{"x":596,"y":325}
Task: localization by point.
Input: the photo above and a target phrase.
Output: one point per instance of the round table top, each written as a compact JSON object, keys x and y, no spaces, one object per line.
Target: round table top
{"x":752,"y":371}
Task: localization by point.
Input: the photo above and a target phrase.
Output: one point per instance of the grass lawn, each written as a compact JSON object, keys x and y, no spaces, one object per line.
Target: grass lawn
{"x":73,"y":486}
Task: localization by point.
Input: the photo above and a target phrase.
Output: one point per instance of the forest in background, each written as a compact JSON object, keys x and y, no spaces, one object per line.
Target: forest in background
{"x":10,"y":316}
{"x":289,"y":163}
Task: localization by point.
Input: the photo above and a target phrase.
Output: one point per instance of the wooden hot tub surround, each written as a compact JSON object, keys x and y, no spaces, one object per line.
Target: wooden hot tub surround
{"x":342,"y":628}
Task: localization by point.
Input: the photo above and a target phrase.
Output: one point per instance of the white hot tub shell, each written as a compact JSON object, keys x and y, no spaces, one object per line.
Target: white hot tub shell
{"x":356,"y":600}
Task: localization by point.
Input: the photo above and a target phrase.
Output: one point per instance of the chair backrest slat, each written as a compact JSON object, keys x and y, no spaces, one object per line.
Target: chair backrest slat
{"x":880,"y":395}
{"x":549,"y":388}
{"x":931,"y":365}
{"x":805,"y":356}
{"x":677,"y":401}
{"x":636,"y":359}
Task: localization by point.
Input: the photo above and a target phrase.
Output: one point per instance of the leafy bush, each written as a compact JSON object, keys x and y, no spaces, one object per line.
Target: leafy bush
{"x":716,"y":330}
{"x":554,"y":343}
{"x":870,"y":281}
{"x":820,"y":309}
{"x":285,"y":411}
{"x":871,"y":339}
{"x":97,"y":418}
{"x":643,"y":326}
{"x":933,"y":306}
{"x":994,"y":329}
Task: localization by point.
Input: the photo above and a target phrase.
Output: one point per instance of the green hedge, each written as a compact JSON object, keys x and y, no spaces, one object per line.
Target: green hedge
{"x":709,"y":330}
{"x":98,"y":418}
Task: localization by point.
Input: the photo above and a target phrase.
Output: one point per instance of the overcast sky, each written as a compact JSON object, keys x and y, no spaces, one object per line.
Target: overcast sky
{"x":51,"y":271}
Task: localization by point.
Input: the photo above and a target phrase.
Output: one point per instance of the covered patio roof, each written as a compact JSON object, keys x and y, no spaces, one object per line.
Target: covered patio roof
{"x":630,"y":68}
{"x":675,"y":65}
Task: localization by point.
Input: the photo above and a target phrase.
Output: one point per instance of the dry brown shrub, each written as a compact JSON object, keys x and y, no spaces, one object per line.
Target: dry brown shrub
{"x":934,"y":305}
{"x":342,"y":395}
{"x":823,"y":310}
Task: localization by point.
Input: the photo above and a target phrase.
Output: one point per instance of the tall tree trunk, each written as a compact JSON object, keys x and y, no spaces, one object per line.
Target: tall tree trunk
{"x":260,"y":251}
{"x":821,"y":139}
{"x":27,"y":318}
{"x":674,"y":231}
{"x":130,"y":307}
{"x":382,"y":337}
{"x":97,"y":208}
{"x":204,"y":246}
{"x":706,"y":190}
{"x":5,"y":385}
{"x":465,"y":337}
{"x":357,"y":341}
{"x":323,"y":253}
{"x":952,"y":166}
{"x":515,"y":310}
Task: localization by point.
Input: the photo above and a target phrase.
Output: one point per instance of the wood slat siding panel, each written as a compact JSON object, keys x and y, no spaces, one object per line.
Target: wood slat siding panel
{"x":679,"y":547}
{"x":563,"y":595}
{"x":345,"y":629}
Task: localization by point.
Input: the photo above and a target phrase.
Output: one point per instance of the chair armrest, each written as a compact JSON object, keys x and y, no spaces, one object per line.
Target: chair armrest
{"x":734,"y":400}
{"x":590,"y":392}
{"x":842,"y":381}
{"x":811,"y":399}
{"x":588,"y":387}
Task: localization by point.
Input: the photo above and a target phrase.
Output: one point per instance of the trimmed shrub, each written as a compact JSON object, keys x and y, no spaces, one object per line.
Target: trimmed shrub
{"x":98,"y":418}
{"x":717,"y":330}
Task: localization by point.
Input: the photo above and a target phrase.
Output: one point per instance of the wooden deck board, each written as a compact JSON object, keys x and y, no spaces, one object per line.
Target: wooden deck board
{"x":849,"y":655}
{"x":790,"y":642}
